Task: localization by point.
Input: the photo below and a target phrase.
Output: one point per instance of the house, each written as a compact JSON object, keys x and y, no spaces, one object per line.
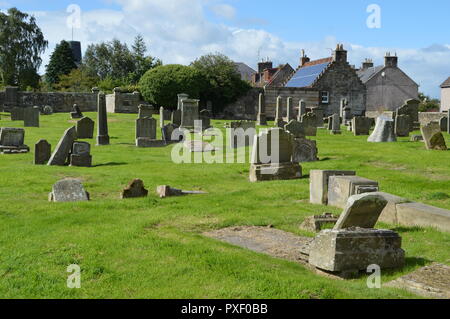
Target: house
{"x":334,"y":78}
{"x":388,"y":87}
{"x":268,"y":76}
{"x":445,"y":95}
{"x":245,"y":71}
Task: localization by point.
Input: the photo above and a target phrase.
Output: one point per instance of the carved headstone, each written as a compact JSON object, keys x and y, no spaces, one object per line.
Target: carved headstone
{"x":68,"y":190}
{"x":145,"y":110}
{"x":146,"y":127}
{"x":42,"y":152}
{"x":189,"y":113}
{"x":17,"y":113}
{"x":309,"y":122}
{"x":171,"y":134}
{"x":335,"y":124}
{"x":361,"y":125}
{"x":304,"y":150}
{"x":85,"y":128}
{"x":176,"y":117}
{"x":296,"y":128}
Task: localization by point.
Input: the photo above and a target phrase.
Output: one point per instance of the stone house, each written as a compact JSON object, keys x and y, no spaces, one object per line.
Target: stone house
{"x":334,"y":78}
{"x":268,"y":76}
{"x":388,"y":87}
{"x":445,"y":95}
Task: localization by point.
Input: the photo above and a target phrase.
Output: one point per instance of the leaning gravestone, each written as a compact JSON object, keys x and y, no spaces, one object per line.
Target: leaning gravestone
{"x":134,"y":189}
{"x":433,"y":137}
{"x":85,"y":128}
{"x":272,"y":157}
{"x":42,"y":152}
{"x":31,"y":117}
{"x":384,"y":131}
{"x":62,"y":150}
{"x":362,"y":211}
{"x":309,"y":122}
{"x":361,"y":125}
{"x":81,"y":154}
{"x":402,"y":123}
{"x":12,"y":139}
{"x":304,"y":150}
{"x":68,"y":190}
{"x":296,"y":128}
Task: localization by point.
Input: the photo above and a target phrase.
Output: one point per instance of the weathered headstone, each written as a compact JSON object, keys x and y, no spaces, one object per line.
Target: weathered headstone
{"x":102,"y":121}
{"x":205,"y":117}
{"x":145,"y":110}
{"x":161,"y":117}
{"x":272,"y":157}
{"x":76,"y":112}
{"x":335,"y":124}
{"x":134,"y":189}
{"x":176,"y":117}
{"x":319,"y":113}
{"x":171,"y":134}
{"x":181,"y":97}
{"x":361,"y":125}
{"x":411,"y":108}
{"x":81,"y":154}
{"x":85,"y":128}
{"x":362,"y":211}
{"x":433,"y":137}
{"x":296,"y":128}
{"x":12,"y":140}
{"x":31,"y":117}
{"x":167,"y":191}
{"x":289,"y":110}
{"x":47,"y":110}
{"x":146,"y":127}
{"x":42,"y":152}
{"x":278,"y":110}
{"x":62,"y":150}
{"x":384,"y":131}
{"x":189,"y":113}
{"x":318,"y":187}
{"x":301,"y":110}
{"x":346,"y":114}
{"x":17,"y":113}
{"x":309,"y":122}
{"x":317,"y":222}
{"x":304,"y":150}
{"x":443,"y":123}
{"x":68,"y":190}
{"x":402,"y":123}
{"x":261,"y":117}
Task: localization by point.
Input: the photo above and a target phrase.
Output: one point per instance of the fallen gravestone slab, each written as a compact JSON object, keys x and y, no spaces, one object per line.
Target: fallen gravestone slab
{"x":318,"y":222}
{"x":68,"y":190}
{"x":134,"y":189}
{"x":429,"y":281}
{"x":167,"y":191}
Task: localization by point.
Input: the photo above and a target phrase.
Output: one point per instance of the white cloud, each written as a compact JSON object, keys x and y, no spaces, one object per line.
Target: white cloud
{"x":177,"y":31}
{"x":224,"y":11}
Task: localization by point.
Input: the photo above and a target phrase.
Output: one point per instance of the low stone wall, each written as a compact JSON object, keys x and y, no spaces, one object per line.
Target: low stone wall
{"x":2,"y":99}
{"x":59,"y":101}
{"x":119,"y":102}
{"x":427,"y":117}
{"x":245,"y":108}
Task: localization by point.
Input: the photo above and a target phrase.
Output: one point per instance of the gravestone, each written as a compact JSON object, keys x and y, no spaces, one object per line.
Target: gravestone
{"x":146,"y":127}
{"x":342,"y":106}
{"x":102,"y":121}
{"x":384,"y":131}
{"x":361,"y":125}
{"x":189,"y":113}
{"x":318,"y":184}
{"x":329,"y":123}
{"x":164,"y":191}
{"x":47,"y":110}
{"x":362,"y":211}
{"x":318,"y":112}
{"x":42,"y":152}
{"x":31,"y":117}
{"x":309,"y":121}
{"x":81,"y":154}
{"x":346,"y":114}
{"x":261,"y":118}
{"x":443,"y":124}
{"x":416,"y":138}
{"x":304,"y":150}
{"x":145,"y":110}
{"x":12,"y":140}
{"x":340,"y":188}
{"x":296,"y":128}
{"x":278,"y":111}
{"x":402,"y":123}
{"x":68,"y":190}
{"x":272,"y":157}
{"x":85,"y":128}
{"x":176,"y":117}
{"x":17,"y":113}
{"x":146,"y":142}
{"x":335,"y":124}
{"x":161,"y":117}
{"x":411,"y":108}
{"x":134,"y":189}
{"x":433,"y":137}
{"x":181,"y":97}
{"x":76,"y":112}
{"x":205,"y":117}
{"x":171,"y":134}
{"x":317,"y":222}
{"x":62,"y":150}
{"x":289,"y":110}
{"x":301,"y":110}
{"x":448,"y":122}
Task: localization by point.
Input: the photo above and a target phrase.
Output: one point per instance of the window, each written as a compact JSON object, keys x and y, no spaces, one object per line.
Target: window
{"x":325,"y":97}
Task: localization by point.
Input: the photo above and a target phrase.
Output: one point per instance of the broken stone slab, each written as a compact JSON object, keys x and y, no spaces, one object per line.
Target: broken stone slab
{"x":167,"y":191}
{"x":362,"y":211}
{"x":340,"y":188}
{"x":318,"y":184}
{"x":68,"y":190}
{"x":354,"y":249}
{"x":62,"y":150}
{"x":417,"y":214}
{"x":384,"y":130}
{"x":389,"y":213}
{"x":134,"y":189}
{"x":318,"y":222}
{"x":433,"y":137}
{"x":432,"y":281}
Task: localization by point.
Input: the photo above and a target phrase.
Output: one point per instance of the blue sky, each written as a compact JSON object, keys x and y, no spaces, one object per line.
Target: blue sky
{"x":178,"y":31}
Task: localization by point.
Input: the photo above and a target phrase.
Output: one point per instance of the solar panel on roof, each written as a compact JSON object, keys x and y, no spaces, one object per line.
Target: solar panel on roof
{"x":306,"y":76}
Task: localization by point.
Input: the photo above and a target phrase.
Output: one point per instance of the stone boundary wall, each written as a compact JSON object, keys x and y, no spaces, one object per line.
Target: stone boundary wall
{"x":427,"y":117}
{"x":2,"y":99}
{"x":59,"y":101}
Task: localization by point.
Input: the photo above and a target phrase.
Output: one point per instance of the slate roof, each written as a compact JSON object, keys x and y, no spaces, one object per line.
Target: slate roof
{"x":446,"y":83}
{"x":367,"y":74}
{"x":245,"y":71}
{"x":308,"y":73}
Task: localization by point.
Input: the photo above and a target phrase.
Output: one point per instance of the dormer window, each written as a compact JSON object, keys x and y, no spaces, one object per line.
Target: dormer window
{"x":325,"y":97}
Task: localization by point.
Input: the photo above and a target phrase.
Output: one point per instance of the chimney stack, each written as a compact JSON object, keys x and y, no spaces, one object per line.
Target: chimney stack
{"x":390,"y":61}
{"x":304,"y":59}
{"x":368,"y":63}
{"x":264,"y":66}
{"x":340,"y":55}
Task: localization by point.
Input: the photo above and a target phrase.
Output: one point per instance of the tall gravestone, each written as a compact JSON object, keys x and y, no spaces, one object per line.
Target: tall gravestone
{"x":62,"y":150}
{"x":343,"y":104}
{"x":301,"y":110}
{"x":205,"y":117}
{"x":189,"y":113}
{"x":31,"y":117}
{"x":176,"y":117}
{"x":102,"y":121}
{"x":335,"y":124}
{"x":384,"y":131}
{"x":161,"y":117}
{"x":278,"y":111}
{"x":261,"y":119}
{"x":289,"y":110}
{"x":346,"y":114}
{"x":85,"y":128}
{"x":42,"y":152}
{"x":318,"y":112}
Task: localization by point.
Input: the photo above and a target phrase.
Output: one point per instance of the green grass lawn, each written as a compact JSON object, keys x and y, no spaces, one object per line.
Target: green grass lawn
{"x":153,"y":248}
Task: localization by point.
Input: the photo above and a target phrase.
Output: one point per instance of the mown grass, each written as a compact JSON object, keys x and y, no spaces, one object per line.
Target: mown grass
{"x":153,"y":248}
